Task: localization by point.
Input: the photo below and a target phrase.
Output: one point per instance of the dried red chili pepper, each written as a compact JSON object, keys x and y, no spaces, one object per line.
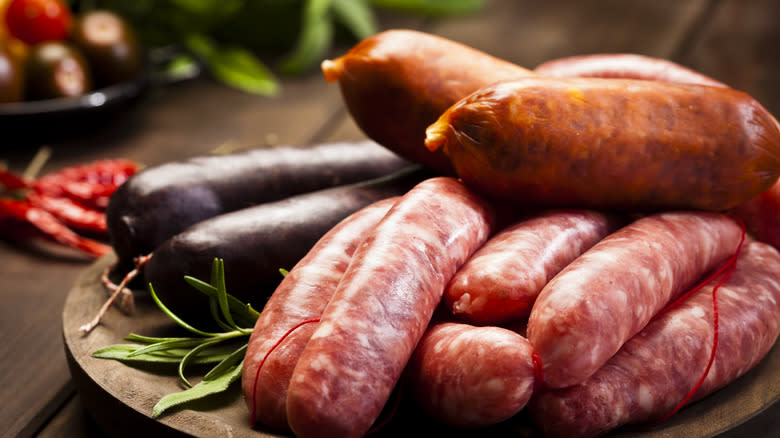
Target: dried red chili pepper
{"x":88,"y":184}
{"x":19,"y":214}
{"x":71,"y":213}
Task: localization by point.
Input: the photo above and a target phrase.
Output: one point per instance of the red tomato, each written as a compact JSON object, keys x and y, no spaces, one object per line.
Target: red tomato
{"x":35,"y":21}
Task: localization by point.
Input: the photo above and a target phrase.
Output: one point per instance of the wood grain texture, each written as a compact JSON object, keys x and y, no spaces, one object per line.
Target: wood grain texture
{"x":732,"y":40}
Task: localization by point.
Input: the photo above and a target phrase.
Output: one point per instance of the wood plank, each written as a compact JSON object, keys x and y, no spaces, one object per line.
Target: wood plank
{"x":529,"y":32}
{"x":741,"y":47}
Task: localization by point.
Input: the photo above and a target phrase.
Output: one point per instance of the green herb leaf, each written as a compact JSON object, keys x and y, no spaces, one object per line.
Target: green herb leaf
{"x":173,"y":316}
{"x":124,"y":353}
{"x":314,"y":40}
{"x":207,"y":348}
{"x":356,"y":15}
{"x":226,"y":363}
{"x":234,"y":66}
{"x":199,"y":391}
{"x":432,"y":7}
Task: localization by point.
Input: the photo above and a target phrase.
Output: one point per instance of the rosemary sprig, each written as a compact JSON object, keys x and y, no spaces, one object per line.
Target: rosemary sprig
{"x":224,"y":349}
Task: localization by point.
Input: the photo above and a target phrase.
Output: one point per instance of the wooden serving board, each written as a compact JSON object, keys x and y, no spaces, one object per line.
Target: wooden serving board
{"x":120,"y":398}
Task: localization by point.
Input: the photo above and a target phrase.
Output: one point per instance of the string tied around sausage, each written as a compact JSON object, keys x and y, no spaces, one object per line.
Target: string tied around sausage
{"x":252,"y":416}
{"x":721,"y":274}
{"x":126,"y":304}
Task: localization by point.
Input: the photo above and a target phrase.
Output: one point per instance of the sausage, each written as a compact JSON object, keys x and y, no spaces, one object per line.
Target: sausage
{"x":656,"y":369}
{"x":593,"y":306}
{"x":256,"y":242}
{"x":611,"y":144}
{"x":471,"y":377}
{"x":761,"y":215}
{"x":501,"y":280}
{"x":381,"y":308}
{"x":398,"y":82}
{"x":159,"y":202}
{"x":301,"y":296}
{"x":625,"y":66}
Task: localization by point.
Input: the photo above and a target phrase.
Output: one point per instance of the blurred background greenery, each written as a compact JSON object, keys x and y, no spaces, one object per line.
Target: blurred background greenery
{"x":245,"y":44}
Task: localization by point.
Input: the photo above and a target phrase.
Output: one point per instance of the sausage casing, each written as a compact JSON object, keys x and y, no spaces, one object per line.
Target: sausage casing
{"x":611,"y":143}
{"x":382,"y":307}
{"x":398,"y":82}
{"x":301,"y":296}
{"x":656,"y":369}
{"x":608,"y":294}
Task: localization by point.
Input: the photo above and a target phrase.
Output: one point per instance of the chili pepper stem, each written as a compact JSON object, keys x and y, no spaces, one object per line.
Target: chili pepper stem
{"x":127,"y":300}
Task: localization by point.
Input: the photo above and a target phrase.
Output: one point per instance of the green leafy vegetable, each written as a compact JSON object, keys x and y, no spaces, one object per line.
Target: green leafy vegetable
{"x":231,"y":36}
{"x":199,"y":391}
{"x":225,"y":349}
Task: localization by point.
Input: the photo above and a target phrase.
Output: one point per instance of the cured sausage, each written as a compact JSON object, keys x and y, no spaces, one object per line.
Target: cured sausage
{"x":398,"y":82}
{"x":161,"y":201}
{"x":593,"y":306}
{"x":611,"y":144}
{"x":470,"y":377}
{"x":656,"y":369}
{"x":256,"y":242}
{"x":501,"y":280}
{"x":762,"y":215}
{"x":381,"y":308}
{"x":301,"y":296}
{"x":625,"y":66}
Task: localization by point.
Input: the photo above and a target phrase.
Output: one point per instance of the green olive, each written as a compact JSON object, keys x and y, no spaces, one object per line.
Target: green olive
{"x":56,"y":69}
{"x":110,"y":46}
{"x":11,"y":76}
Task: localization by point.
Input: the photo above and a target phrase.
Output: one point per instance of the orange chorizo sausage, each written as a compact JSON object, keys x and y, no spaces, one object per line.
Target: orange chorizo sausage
{"x":398,"y":82}
{"x":611,"y":143}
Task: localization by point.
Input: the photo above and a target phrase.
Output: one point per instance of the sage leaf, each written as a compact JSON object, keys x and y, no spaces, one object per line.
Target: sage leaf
{"x":203,"y":389}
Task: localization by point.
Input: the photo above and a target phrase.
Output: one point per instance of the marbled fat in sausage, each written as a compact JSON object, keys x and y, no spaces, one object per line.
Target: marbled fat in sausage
{"x":470,"y":377}
{"x":593,"y":306}
{"x":656,"y":369}
{"x":381,"y":308}
{"x":611,"y":144}
{"x":302,"y":295}
{"x":501,"y":280}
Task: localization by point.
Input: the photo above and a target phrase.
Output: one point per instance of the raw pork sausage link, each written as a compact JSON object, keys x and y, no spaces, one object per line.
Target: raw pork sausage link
{"x":623,"y":65}
{"x":501,"y":280}
{"x":381,"y":308}
{"x":656,"y":369}
{"x":593,"y":306}
{"x":397,"y":82}
{"x":302,"y":295}
{"x":611,"y":143}
{"x":470,"y":377}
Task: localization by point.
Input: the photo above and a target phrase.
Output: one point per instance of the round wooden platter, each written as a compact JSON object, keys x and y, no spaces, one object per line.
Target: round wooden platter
{"x":120,"y":397}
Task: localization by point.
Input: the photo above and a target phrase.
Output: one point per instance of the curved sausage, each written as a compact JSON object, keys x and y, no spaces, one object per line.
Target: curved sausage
{"x":160,"y":202}
{"x":761,"y":215}
{"x":611,"y":144}
{"x":625,"y":66}
{"x":593,"y":306}
{"x":256,"y":242}
{"x":381,"y":308}
{"x":302,"y":295}
{"x":398,"y":82}
{"x":501,"y":280}
{"x":656,"y":369}
{"x":470,"y":377}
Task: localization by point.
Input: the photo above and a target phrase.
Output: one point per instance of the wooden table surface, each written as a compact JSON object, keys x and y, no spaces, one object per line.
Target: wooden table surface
{"x":734,"y":41}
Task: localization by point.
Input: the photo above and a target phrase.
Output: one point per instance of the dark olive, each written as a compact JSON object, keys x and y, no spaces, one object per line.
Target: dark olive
{"x":110,"y":46}
{"x":56,"y":69}
{"x":11,"y":76}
